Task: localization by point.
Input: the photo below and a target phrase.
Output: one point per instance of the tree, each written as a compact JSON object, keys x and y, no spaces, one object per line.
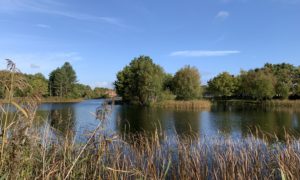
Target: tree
{"x":140,"y":82}
{"x":62,"y":81}
{"x":223,"y":85}
{"x":69,"y":77}
{"x":38,"y":84}
{"x":186,"y":84}
{"x":257,"y":84}
{"x":284,"y":74}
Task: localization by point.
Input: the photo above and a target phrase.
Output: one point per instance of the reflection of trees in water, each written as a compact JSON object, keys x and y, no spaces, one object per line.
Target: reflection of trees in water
{"x":272,"y":122}
{"x":63,"y":120}
{"x":133,"y":119}
{"x":250,"y":120}
{"x":186,"y":122}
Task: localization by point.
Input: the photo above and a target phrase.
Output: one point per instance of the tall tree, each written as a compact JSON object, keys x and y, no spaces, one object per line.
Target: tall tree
{"x":62,"y":81}
{"x":186,"y":84}
{"x":141,"y":81}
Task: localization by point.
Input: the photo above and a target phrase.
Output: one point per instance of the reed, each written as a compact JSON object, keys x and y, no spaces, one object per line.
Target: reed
{"x":184,"y":105}
{"x":283,"y":103}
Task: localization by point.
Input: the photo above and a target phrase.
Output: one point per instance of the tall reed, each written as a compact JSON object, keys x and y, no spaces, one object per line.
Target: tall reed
{"x":184,"y":105}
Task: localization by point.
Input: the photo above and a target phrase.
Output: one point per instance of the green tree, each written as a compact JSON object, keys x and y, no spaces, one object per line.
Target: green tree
{"x":62,"y":81}
{"x":186,"y":84}
{"x":140,"y":82}
{"x":81,"y":91}
{"x":100,"y":92}
{"x":38,"y":84}
{"x":257,"y":84}
{"x":223,"y":85}
{"x":284,"y":74}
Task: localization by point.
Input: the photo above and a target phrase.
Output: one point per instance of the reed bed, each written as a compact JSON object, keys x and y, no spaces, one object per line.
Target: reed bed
{"x":184,"y":105}
{"x":37,"y":155}
{"x":283,"y":103}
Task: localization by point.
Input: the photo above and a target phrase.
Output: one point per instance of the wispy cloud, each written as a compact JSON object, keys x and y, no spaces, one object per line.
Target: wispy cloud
{"x":203,"y":53}
{"x":52,"y":7}
{"x":45,"y":26}
{"x":223,"y":14}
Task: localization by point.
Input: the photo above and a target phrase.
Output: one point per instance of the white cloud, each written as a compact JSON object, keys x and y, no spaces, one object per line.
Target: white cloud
{"x":51,"y":7}
{"x":203,"y":53}
{"x":223,"y":14}
{"x":45,"y":26}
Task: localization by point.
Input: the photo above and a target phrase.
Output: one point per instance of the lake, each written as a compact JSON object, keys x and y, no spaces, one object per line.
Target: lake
{"x":224,"y":121}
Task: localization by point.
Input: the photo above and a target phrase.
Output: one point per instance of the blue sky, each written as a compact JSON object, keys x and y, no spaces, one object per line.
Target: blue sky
{"x":100,"y":37}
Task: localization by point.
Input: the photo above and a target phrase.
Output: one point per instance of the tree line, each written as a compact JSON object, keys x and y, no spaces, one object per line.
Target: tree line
{"x":144,"y":82}
{"x":62,"y":83}
{"x":272,"y":81}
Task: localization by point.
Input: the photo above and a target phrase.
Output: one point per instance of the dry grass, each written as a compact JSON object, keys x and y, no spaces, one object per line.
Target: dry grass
{"x":184,"y":105}
{"x":283,"y":103}
{"x":37,"y":156}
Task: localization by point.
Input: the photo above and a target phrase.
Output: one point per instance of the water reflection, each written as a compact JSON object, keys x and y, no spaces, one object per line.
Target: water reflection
{"x":79,"y":119}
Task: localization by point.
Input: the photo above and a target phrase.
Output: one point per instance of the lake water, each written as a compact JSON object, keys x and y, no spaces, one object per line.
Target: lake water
{"x":81,"y":118}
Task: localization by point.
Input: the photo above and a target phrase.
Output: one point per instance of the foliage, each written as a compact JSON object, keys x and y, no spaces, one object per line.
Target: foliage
{"x":38,"y":84}
{"x":284,"y":74}
{"x":186,"y":84}
{"x":141,"y":82}
{"x":82,"y":91}
{"x":223,"y":85}
{"x":257,"y":84}
{"x":62,"y":81}
{"x":100,"y":92}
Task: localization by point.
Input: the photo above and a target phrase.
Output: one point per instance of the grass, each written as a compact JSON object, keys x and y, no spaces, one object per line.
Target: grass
{"x":184,"y":105}
{"x":61,"y":100}
{"x":46,"y":100}
{"x":267,"y":104}
{"x":35,"y":155}
{"x":283,"y":103}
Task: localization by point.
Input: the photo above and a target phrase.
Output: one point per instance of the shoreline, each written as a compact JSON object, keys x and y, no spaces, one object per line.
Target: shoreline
{"x":48,"y":100}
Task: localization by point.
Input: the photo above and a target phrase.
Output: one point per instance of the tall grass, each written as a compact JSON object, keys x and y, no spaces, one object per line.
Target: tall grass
{"x":184,"y":105}
{"x":28,"y":152}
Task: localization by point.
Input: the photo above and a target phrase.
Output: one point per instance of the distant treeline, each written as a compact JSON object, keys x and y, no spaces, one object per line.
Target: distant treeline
{"x":143,"y":82}
{"x":273,"y":81}
{"x":62,"y":83}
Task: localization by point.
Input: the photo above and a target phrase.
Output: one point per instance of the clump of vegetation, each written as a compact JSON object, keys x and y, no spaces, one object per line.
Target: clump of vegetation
{"x":186,"y":84}
{"x":143,"y":82}
{"x":224,"y":85}
{"x":184,"y":105}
